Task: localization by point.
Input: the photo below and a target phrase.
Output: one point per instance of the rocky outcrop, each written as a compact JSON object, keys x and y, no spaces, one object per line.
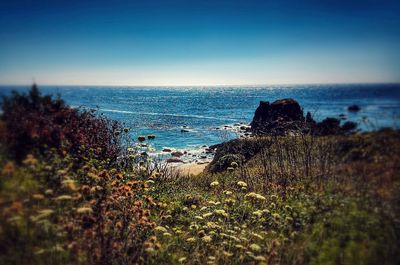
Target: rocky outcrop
{"x":285,"y":116}
{"x":280,"y":117}
{"x":177,"y":154}
{"x":354,"y":108}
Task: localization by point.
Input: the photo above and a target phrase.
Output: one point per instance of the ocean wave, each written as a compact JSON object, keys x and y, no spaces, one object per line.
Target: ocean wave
{"x":168,"y":114}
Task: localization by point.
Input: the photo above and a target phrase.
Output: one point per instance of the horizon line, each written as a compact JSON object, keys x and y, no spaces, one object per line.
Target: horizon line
{"x":209,"y":85}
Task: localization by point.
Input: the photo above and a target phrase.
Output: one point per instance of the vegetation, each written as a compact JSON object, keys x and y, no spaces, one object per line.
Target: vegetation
{"x":89,"y":197}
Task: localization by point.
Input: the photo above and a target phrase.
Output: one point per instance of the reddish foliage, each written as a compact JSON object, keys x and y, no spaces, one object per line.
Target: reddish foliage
{"x":36,"y":123}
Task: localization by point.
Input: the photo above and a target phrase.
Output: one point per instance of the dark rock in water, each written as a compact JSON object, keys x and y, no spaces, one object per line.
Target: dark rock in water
{"x":174,"y":160}
{"x":349,"y":126}
{"x":328,"y":126}
{"x":342,"y":116}
{"x":144,"y":154}
{"x":285,"y":117}
{"x":279,"y":117}
{"x":184,"y":130}
{"x":141,"y":138}
{"x":331,"y":126}
{"x":203,"y":157}
{"x":166,"y":150}
{"x":309,"y":118}
{"x":151,"y":137}
{"x":354,"y":108}
{"x":177,"y":154}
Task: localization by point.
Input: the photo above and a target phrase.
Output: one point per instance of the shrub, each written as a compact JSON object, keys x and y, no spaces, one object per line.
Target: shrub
{"x":36,"y":123}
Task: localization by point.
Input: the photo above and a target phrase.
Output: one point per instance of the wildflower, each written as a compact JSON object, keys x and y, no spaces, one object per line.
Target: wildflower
{"x":227,"y":254}
{"x":198,"y":217}
{"x":258,"y":213}
{"x":160,"y":229}
{"x":42,"y":214}
{"x":167,"y":234}
{"x":234,"y":238}
{"x":191,"y":239}
{"x":255,"y":196}
{"x":274,"y":197}
{"x":229,"y":202}
{"x":276,"y":216}
{"x":193,"y":227}
{"x":227,"y":192}
{"x":242,"y":184}
{"x":214,"y":184}
{"x":203,"y":208}
{"x":221,"y":212}
{"x":212,"y":225}
{"x":84,"y":210}
{"x":193,"y":206}
{"x":150,"y":250}
{"x":8,"y":168}
{"x":214,"y":203}
{"x":130,"y":149}
{"x":69,"y":184}
{"x":223,"y":235}
{"x":38,"y":196}
{"x":257,"y":235}
{"x":255,"y":247}
{"x":234,"y":165}
{"x":259,"y":258}
{"x":288,"y":208}
{"x":30,"y":160}
{"x":181,"y":260}
{"x":230,"y":169}
{"x":238,"y":246}
{"x":289,"y":219}
{"x":148,"y":182}
{"x":266,"y":211}
{"x":207,"y":215}
{"x":206,"y":239}
{"x":211,"y":257}
{"x":201,"y":233}
{"x":64,"y":198}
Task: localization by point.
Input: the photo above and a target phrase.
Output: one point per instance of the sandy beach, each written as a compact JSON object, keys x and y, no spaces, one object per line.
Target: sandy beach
{"x":192,"y":168}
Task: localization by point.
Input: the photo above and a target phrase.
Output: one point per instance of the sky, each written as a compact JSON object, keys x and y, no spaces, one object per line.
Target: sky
{"x":187,"y":42}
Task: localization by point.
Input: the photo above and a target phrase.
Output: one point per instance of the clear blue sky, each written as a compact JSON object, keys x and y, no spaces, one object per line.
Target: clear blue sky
{"x":184,"y":42}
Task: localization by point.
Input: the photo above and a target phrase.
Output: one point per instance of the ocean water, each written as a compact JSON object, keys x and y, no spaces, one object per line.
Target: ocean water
{"x":165,"y":111}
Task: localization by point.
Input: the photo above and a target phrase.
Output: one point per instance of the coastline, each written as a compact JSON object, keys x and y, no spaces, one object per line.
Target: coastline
{"x":191,"y":169}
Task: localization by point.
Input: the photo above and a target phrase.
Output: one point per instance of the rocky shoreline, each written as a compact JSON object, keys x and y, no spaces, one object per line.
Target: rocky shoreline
{"x":281,"y":117}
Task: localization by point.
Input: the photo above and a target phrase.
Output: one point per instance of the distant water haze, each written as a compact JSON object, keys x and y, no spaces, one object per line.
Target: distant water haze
{"x":165,"y":111}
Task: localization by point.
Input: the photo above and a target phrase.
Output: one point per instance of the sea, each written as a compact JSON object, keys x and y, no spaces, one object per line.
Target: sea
{"x":191,"y":118}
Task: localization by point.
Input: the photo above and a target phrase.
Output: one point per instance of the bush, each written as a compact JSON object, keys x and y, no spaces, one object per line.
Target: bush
{"x":35,"y":123}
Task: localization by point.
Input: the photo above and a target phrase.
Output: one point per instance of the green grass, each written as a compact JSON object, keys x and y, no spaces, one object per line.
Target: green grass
{"x":344,"y":213}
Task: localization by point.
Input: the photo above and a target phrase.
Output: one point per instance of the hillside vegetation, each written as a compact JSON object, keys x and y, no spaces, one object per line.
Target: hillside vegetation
{"x":74,"y":190}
